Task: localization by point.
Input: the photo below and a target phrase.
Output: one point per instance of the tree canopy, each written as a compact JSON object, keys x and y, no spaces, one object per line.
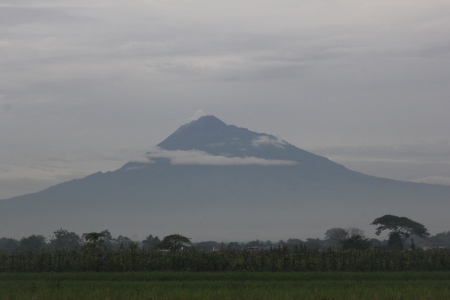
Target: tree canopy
{"x":174,"y":242}
{"x":63,"y":239}
{"x":400,"y":229}
{"x":356,"y":242}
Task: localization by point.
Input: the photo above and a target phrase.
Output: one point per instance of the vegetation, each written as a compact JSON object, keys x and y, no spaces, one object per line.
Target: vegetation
{"x":400,"y":229}
{"x":301,"y":259}
{"x":174,"y":242}
{"x":238,"y":285}
{"x":345,"y":265}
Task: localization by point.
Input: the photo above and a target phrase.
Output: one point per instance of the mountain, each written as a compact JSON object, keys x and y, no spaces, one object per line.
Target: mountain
{"x":209,"y":180}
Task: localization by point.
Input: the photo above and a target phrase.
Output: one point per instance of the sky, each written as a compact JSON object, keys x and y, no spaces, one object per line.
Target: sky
{"x":86,"y":86}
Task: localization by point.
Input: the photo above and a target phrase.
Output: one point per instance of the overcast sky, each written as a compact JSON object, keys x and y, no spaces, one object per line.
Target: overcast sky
{"x":86,"y":86}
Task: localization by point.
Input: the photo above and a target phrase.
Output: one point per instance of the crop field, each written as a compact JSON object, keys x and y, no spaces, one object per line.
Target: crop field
{"x":225,"y":285}
{"x":277,"y":260}
{"x":276,"y":274}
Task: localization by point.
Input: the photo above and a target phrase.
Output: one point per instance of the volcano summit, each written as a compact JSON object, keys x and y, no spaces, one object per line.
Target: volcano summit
{"x":210,"y":180}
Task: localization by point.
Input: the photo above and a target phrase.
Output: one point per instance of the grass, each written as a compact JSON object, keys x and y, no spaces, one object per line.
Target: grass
{"x":237,"y":285}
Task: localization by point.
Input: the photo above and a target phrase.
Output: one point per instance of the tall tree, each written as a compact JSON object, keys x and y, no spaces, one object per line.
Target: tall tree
{"x":33,"y":243}
{"x":356,"y":242}
{"x":64,"y":240}
{"x":174,"y":242}
{"x":150,"y":242}
{"x":123,"y":242}
{"x":234,"y":246}
{"x":347,"y":238}
{"x":98,"y":240}
{"x":336,"y":235}
{"x":8,"y":244}
{"x":400,"y":229}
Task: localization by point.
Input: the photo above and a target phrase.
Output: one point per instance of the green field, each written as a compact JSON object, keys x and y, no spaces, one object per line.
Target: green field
{"x":225,"y":285}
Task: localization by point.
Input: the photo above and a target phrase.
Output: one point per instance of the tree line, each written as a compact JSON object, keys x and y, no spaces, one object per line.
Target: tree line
{"x":402,"y":233}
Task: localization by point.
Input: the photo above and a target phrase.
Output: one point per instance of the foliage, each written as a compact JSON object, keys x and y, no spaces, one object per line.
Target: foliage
{"x":234,"y":246}
{"x":356,"y":242}
{"x":400,"y":229}
{"x":254,"y":244}
{"x":292,"y":243}
{"x":336,"y":235}
{"x":33,"y":243}
{"x":274,"y":260}
{"x":150,"y":242}
{"x":123,"y":242}
{"x":174,"y":242}
{"x":395,"y":240}
{"x":64,"y":240}
{"x":98,"y":241}
{"x":226,"y":285}
{"x":8,"y":244}
{"x":208,"y":245}
{"x":349,"y":238}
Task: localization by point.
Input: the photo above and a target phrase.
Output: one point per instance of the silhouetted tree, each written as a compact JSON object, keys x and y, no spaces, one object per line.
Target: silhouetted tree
{"x":356,"y":242}
{"x":400,"y":229}
{"x":98,"y":241}
{"x":8,"y":244}
{"x":33,"y":243}
{"x":122,"y":242}
{"x":336,"y":235}
{"x":395,"y":240}
{"x":234,"y":246}
{"x":150,"y":242}
{"x":292,"y":243}
{"x":174,"y":242}
{"x":254,"y":244}
{"x":208,"y":245}
{"x":64,"y":240}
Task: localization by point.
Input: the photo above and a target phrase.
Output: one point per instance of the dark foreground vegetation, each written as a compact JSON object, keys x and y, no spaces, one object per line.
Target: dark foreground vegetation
{"x":236,"y":285}
{"x":301,"y":259}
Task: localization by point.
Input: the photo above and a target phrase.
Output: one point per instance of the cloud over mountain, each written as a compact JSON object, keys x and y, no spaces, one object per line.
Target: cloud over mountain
{"x":197,"y":157}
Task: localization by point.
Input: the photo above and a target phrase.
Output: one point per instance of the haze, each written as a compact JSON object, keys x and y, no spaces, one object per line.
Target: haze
{"x":86,"y":86}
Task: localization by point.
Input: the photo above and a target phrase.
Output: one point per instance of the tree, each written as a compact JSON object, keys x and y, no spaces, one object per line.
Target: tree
{"x":356,"y":242}
{"x":234,"y":246}
{"x":254,"y":244}
{"x":98,"y":240}
{"x":8,"y":244}
{"x":150,"y":242}
{"x":208,"y":245}
{"x":33,"y":243}
{"x":345,"y":237}
{"x":400,"y":229}
{"x":395,"y":240}
{"x":353,"y":231}
{"x":336,"y":235}
{"x":174,"y":242}
{"x":293,"y":243}
{"x":123,"y":242}
{"x":64,"y":240}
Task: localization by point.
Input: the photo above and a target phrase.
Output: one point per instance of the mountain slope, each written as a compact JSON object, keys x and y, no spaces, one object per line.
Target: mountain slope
{"x":209,"y":180}
{"x":213,"y":136}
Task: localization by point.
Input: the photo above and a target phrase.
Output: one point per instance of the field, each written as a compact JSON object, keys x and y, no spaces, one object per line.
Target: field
{"x":225,"y":285}
{"x":277,"y":274}
{"x":277,"y":260}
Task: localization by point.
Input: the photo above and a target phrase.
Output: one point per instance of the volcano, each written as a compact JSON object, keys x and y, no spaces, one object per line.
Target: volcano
{"x":213,"y":181}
